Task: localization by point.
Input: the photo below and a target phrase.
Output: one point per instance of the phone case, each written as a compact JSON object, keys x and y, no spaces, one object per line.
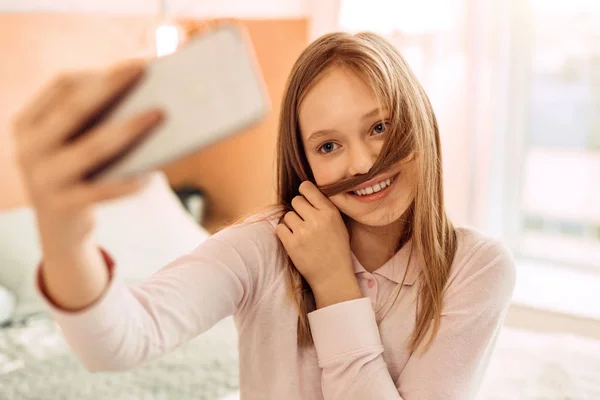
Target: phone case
{"x":209,"y":89}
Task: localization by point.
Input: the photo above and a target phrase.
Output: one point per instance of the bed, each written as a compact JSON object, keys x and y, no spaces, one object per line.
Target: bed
{"x":35,"y":364}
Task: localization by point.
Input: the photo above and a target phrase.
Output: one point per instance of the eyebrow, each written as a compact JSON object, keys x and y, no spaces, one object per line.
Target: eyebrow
{"x":324,"y":132}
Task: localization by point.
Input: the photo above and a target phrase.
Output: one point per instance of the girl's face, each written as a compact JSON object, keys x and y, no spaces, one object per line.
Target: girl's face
{"x":343,"y":130}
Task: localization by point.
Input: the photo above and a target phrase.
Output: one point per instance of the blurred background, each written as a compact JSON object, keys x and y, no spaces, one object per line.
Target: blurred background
{"x":516,"y":88}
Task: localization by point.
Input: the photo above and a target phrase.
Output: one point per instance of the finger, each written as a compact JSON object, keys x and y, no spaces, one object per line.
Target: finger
{"x":284,"y":234}
{"x":293,"y":221}
{"x":316,"y":198}
{"x":42,"y":100}
{"x":302,"y":207}
{"x":26,"y":136}
{"x":102,"y":145}
{"x":141,"y":61}
{"x":52,"y":100}
{"x":85,"y":102}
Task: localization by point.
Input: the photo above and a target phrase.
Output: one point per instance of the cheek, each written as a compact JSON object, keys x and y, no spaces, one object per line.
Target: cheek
{"x":378,"y":146}
{"x":326,"y":171}
{"x":324,"y":175}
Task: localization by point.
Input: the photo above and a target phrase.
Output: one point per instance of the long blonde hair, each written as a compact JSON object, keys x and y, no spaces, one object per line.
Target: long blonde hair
{"x":413,"y":132}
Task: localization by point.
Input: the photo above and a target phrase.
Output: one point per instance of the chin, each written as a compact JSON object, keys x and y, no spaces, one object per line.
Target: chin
{"x":382,"y":216}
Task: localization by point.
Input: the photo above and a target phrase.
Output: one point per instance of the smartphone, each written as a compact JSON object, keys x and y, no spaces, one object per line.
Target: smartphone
{"x":210,"y":89}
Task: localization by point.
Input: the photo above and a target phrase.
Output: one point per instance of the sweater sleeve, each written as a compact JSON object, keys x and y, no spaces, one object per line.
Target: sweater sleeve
{"x":349,"y":347}
{"x":132,"y":324}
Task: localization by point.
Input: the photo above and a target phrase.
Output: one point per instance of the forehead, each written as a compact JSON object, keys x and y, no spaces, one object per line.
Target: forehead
{"x":336,"y":100}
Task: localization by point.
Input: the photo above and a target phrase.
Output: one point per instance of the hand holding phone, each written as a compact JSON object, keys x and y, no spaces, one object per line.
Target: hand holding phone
{"x":87,"y":126}
{"x":209,"y":90}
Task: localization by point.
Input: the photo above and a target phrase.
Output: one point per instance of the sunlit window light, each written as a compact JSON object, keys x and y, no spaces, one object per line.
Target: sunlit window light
{"x":407,"y":16}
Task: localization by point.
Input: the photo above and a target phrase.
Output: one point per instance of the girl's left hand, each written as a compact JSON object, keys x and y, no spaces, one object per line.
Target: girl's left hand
{"x":316,"y":239}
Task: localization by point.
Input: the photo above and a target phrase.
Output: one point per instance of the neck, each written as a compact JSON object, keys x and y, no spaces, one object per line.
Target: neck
{"x":373,"y":246}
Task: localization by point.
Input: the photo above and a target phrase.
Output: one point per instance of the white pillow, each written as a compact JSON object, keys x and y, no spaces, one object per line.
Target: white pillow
{"x":7,"y":305}
{"x":19,"y":255}
{"x":142,"y":233}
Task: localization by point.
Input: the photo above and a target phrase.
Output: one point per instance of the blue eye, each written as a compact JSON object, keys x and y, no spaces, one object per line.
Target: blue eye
{"x":327,"y":147}
{"x":379,"y":128}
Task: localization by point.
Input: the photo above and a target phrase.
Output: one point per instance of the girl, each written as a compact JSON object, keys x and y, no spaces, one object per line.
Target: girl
{"x":355,"y":287}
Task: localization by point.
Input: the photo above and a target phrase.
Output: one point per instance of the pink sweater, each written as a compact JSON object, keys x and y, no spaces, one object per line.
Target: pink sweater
{"x":240,"y":271}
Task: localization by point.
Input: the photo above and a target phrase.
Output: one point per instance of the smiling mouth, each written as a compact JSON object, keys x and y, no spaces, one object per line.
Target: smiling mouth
{"x":376,"y":188}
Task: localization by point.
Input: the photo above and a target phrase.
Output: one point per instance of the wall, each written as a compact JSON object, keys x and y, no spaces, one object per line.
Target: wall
{"x":255,"y":9}
{"x":237,"y":174}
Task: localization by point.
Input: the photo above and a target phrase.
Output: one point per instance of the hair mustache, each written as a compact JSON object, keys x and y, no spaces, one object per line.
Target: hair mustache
{"x":397,"y":148}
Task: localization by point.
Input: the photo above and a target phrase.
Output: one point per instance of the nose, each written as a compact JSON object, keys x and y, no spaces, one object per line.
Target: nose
{"x":361,"y":160}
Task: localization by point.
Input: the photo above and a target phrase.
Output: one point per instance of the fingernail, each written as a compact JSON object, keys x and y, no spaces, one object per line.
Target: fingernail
{"x":128,"y":69}
{"x":155,"y":115}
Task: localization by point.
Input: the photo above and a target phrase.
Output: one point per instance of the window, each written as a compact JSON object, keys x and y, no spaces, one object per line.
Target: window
{"x":558,"y":215}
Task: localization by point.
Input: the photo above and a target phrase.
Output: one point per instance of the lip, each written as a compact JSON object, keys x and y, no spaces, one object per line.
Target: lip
{"x":376,"y":196}
{"x":373,"y":181}
{"x":370,"y":198}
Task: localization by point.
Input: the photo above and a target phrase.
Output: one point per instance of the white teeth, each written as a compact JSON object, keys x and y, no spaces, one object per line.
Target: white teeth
{"x":375,"y":188}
